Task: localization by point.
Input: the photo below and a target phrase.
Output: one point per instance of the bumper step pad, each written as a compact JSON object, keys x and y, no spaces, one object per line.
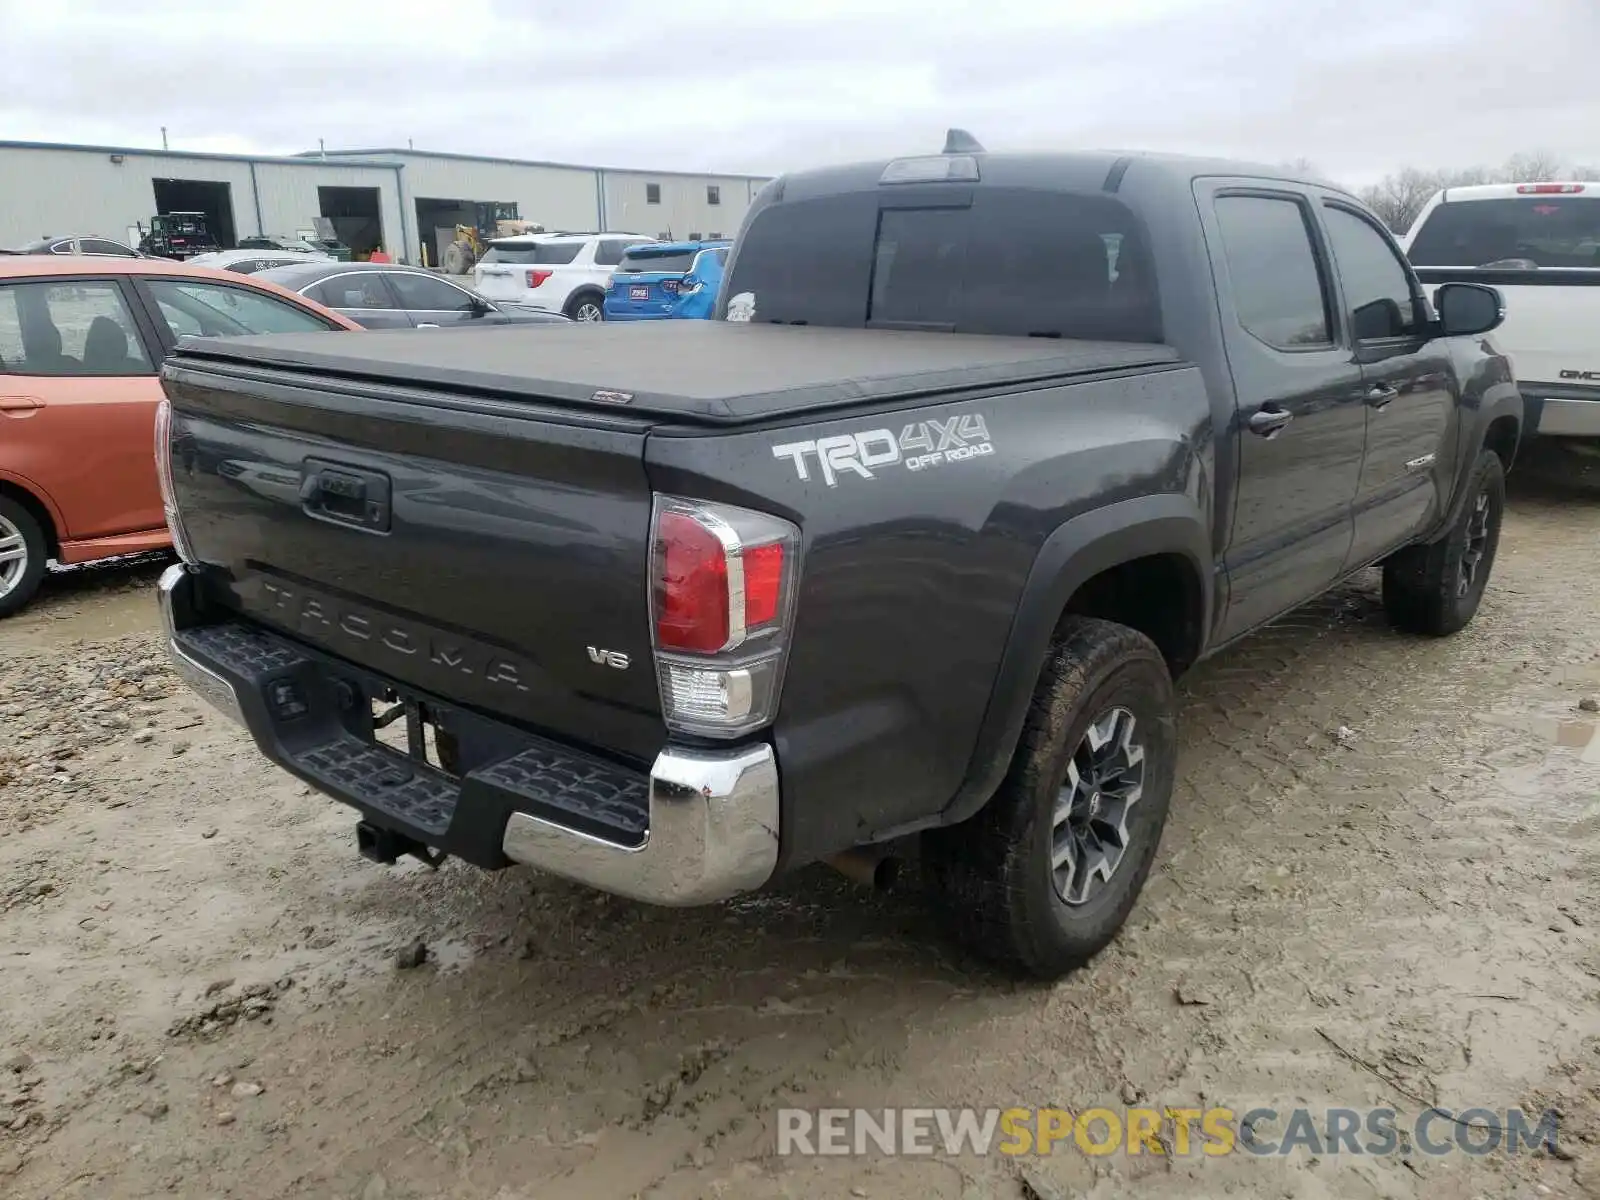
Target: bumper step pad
{"x":325,"y":743}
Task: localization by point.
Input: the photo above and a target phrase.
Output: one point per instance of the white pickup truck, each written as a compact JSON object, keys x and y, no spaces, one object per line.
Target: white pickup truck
{"x":1539,"y":243}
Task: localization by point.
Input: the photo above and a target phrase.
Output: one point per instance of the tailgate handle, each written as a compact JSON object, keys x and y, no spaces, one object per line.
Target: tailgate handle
{"x":349,"y":495}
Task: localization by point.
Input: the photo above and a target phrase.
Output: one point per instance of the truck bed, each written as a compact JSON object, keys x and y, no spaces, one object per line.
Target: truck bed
{"x":697,"y":372}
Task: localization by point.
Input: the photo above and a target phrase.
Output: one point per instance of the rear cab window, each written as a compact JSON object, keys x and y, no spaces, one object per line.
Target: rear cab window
{"x":532,"y":253}
{"x":1012,"y":261}
{"x":1532,"y":232}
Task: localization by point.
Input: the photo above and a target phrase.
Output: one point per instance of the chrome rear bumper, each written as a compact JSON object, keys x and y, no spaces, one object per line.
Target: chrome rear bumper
{"x":713,"y":814}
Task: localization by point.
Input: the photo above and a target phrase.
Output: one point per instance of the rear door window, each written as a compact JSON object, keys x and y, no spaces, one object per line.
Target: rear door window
{"x":1528,"y":232}
{"x":78,"y":328}
{"x":217,"y":310}
{"x":356,"y":290}
{"x":1279,"y":293}
{"x":425,"y":294}
{"x":1020,"y":262}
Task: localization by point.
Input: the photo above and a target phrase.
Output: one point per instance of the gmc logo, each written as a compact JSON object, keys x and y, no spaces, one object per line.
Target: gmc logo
{"x":1586,"y":376}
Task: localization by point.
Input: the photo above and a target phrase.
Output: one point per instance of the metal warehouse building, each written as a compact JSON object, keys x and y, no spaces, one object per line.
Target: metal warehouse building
{"x":408,"y":201}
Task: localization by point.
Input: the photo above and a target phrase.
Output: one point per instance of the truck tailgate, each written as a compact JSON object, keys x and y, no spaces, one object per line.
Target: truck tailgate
{"x":488,"y":552}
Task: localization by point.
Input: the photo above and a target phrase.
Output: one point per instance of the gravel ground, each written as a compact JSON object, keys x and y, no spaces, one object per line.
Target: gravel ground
{"x":1378,"y":887}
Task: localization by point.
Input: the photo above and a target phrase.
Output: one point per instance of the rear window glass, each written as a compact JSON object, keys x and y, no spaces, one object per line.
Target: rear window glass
{"x":1045,"y":264}
{"x":677,"y":261}
{"x":1545,"y":231}
{"x":540,"y":253}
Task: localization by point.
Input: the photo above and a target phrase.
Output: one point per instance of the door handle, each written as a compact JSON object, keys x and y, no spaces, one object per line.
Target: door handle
{"x":21,"y":405}
{"x":1379,"y":395}
{"x":1267,"y":422}
{"x":427,"y":325}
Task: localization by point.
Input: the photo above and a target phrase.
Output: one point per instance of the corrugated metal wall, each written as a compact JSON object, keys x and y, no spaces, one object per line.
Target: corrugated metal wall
{"x":53,"y":190}
{"x":557,"y":197}
{"x":289,"y":197}
{"x":46,"y":192}
{"x":684,"y":208}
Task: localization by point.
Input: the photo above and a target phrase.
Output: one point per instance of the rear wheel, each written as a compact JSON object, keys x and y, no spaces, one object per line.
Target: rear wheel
{"x":587,"y":307}
{"x":1436,"y":589}
{"x":1041,"y":879}
{"x":22,"y":556}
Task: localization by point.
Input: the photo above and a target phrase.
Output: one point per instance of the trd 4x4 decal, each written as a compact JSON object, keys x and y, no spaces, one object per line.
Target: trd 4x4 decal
{"x":921,"y":445}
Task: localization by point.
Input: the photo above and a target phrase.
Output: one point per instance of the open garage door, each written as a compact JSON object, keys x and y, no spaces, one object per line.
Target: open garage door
{"x":437,"y":220}
{"x":354,"y":212}
{"x":201,"y":196}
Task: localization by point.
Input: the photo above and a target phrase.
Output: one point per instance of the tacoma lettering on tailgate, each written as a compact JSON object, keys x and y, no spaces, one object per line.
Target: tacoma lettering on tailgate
{"x":336,"y":623}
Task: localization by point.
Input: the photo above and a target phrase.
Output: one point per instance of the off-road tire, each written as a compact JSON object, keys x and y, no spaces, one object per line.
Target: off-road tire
{"x":990,"y":878}
{"x":1422,"y":589}
{"x":38,"y":548}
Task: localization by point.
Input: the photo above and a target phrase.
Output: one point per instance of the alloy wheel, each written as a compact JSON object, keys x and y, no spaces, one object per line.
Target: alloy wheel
{"x":13,"y":556}
{"x":1089,"y":826}
{"x":1477,"y":544}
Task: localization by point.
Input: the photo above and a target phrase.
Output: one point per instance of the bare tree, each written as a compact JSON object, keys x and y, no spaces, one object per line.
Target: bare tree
{"x":1535,"y":167}
{"x":1399,"y":197}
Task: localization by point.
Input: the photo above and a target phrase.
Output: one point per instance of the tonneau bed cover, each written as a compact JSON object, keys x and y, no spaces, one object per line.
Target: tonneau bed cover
{"x":702,"y":372}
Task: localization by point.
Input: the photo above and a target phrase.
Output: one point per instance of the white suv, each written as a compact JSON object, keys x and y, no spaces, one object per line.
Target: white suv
{"x":563,"y":273}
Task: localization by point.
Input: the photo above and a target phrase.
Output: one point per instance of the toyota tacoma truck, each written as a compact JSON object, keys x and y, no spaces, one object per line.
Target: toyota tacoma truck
{"x":898,"y":557}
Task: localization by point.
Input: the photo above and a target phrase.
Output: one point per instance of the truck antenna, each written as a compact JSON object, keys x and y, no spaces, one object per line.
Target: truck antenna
{"x":959,"y":141}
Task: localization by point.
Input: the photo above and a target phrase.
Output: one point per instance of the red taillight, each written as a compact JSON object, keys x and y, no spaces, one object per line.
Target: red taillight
{"x":763,"y":584}
{"x":722,"y":596}
{"x":692,"y":589}
{"x":535,"y":278}
{"x":1549,"y":189}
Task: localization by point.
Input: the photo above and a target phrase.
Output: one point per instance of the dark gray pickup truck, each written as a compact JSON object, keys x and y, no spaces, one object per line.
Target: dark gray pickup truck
{"x":983,"y":451}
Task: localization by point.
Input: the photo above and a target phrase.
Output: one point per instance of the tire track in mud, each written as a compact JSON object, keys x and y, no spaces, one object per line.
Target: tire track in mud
{"x":1307,"y":881}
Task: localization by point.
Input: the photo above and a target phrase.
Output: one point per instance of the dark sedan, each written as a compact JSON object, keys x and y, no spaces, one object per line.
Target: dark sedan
{"x":387,"y":296}
{"x":78,"y":244}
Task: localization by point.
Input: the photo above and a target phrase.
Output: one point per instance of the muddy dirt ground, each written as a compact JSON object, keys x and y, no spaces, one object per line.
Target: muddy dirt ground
{"x":1379,"y":887}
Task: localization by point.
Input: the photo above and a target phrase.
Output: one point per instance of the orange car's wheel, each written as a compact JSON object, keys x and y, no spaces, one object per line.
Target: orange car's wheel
{"x":22,"y":555}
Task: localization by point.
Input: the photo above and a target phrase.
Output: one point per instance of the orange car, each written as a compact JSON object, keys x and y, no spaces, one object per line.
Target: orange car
{"x":81,"y":340}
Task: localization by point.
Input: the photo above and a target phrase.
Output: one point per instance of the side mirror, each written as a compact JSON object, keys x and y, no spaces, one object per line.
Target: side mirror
{"x":1468,"y":308}
{"x":481,"y":307}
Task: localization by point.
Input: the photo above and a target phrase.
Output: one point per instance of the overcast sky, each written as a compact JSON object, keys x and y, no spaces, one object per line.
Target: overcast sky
{"x":1358,"y":87}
